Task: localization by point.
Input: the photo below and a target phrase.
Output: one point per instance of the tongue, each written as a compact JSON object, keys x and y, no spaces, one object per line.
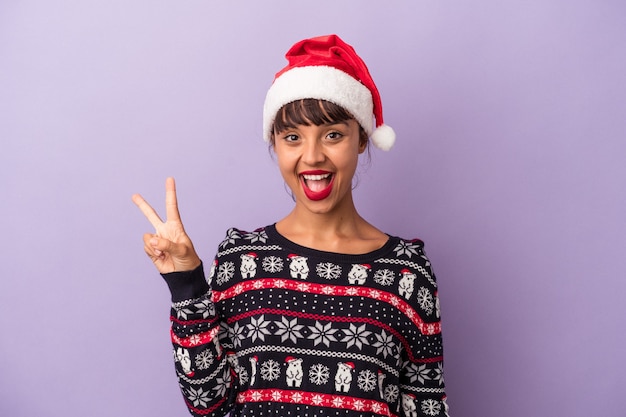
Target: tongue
{"x":317,"y":185}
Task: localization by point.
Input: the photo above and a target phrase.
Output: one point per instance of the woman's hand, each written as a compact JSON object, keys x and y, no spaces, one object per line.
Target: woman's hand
{"x":169,"y":247}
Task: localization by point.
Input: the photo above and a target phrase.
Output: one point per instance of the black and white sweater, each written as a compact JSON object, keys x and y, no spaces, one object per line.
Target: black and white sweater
{"x":279,"y":329}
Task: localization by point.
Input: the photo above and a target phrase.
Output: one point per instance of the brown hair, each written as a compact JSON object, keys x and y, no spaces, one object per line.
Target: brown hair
{"x":311,"y":112}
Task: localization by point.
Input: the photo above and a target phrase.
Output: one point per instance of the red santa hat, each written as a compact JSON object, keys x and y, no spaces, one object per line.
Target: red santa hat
{"x":327,"y":68}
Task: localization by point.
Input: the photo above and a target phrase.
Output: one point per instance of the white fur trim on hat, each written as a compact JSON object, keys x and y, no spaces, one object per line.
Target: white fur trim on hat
{"x":322,"y":83}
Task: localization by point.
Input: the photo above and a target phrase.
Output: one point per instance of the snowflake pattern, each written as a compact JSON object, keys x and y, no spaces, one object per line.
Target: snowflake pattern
{"x":204,"y":359}
{"x":289,"y":329}
{"x":406,"y":248}
{"x":198,"y":397}
{"x":322,"y":333}
{"x":419,"y":373}
{"x":257,"y":329}
{"x":356,"y":336}
{"x":438,"y":374}
{"x":270,"y":370}
{"x":184,"y":313}
{"x":225,"y":272}
{"x":423,"y":373}
{"x":328,"y":270}
{"x":431,"y":407}
{"x":384,"y":277}
{"x":272,"y":264}
{"x":319,"y":374}
{"x":236,"y":334}
{"x":366,"y":380}
{"x":206,"y":308}
{"x":391,"y":393}
{"x":425,"y":300}
{"x":232,"y":235}
{"x":384,"y":344}
{"x":256,"y":236}
{"x":222,"y":383}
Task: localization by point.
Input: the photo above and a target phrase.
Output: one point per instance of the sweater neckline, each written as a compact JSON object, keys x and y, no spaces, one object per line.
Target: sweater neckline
{"x":389,"y":245}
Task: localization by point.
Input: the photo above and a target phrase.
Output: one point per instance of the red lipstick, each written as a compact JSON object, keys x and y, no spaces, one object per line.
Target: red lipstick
{"x":307,"y":177}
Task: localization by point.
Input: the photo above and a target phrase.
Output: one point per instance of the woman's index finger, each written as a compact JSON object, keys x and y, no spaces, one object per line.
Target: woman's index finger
{"x":171,"y":202}
{"x":147,"y":210}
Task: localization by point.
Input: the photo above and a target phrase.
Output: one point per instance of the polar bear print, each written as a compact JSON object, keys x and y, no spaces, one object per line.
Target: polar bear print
{"x":253,"y":362}
{"x":408,"y":405}
{"x":233,"y":361}
{"x":343,"y":377}
{"x":406,"y":285}
{"x":294,"y":371}
{"x":298,"y":267}
{"x":212,"y":270}
{"x":381,"y":378}
{"x":182,"y":356}
{"x":358,"y":274}
{"x":248,"y":265}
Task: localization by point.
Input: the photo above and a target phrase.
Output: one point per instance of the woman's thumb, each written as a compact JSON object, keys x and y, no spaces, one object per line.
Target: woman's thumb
{"x":160,"y":245}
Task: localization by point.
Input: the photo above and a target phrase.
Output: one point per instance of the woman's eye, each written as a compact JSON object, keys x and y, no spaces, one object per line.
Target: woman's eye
{"x":290,"y":138}
{"x":334,"y":135}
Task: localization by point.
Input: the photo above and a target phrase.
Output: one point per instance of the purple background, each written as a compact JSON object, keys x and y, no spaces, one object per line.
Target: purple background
{"x":510,"y":164}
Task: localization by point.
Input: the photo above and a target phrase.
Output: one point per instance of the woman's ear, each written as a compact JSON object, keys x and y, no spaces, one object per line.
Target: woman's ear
{"x":363,"y":140}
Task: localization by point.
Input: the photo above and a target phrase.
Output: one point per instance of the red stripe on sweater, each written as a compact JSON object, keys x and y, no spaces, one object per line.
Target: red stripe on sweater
{"x":316,"y":399}
{"x":335,"y":290}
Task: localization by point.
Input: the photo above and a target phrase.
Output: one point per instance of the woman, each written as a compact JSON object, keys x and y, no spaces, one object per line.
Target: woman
{"x":321,"y":313}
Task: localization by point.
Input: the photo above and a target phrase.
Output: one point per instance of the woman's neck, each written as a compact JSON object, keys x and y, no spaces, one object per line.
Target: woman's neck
{"x":342,"y":231}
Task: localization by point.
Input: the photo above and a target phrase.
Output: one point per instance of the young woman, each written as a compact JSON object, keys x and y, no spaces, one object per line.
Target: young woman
{"x":321,"y":313}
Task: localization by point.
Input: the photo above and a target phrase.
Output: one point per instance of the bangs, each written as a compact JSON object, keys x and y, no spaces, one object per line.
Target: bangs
{"x":309,"y":112}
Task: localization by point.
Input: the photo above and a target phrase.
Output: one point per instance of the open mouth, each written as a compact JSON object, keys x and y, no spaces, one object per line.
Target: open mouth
{"x":317,"y":185}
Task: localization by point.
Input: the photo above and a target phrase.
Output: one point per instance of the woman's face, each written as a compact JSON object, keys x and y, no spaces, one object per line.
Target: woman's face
{"x":318,"y":163}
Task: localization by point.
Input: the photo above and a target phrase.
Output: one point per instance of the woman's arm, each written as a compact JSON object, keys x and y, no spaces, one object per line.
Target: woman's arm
{"x":205,"y":376}
{"x":203,"y":370}
{"x":422,"y":388}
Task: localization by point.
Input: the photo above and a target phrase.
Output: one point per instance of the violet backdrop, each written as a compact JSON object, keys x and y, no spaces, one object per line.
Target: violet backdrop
{"x":510,"y":164}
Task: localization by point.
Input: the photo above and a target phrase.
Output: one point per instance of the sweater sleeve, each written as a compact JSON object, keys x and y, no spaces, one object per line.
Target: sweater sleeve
{"x":422,"y":388}
{"x":204,"y":374}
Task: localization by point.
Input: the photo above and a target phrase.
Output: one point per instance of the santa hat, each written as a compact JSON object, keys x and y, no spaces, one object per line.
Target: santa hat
{"x":327,"y":68}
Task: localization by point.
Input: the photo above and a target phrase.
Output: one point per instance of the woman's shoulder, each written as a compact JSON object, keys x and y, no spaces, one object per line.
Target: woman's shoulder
{"x":235,"y":236}
{"x":239,"y":232}
{"x":415,"y":242}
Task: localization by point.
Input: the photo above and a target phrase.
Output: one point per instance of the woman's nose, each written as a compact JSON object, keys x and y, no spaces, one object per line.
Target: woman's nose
{"x":313,"y":152}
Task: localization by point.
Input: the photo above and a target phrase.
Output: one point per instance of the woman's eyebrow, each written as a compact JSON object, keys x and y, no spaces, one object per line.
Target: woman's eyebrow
{"x":342,"y":122}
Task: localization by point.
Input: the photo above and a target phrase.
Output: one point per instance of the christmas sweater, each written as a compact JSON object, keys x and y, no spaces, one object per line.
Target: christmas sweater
{"x":278,"y":329}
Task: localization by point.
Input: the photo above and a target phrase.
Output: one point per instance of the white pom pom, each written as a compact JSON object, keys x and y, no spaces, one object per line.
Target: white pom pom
{"x":383,"y":137}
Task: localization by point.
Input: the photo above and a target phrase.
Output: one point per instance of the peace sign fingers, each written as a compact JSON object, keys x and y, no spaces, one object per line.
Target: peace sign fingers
{"x":169,"y":248}
{"x":171,"y":206}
